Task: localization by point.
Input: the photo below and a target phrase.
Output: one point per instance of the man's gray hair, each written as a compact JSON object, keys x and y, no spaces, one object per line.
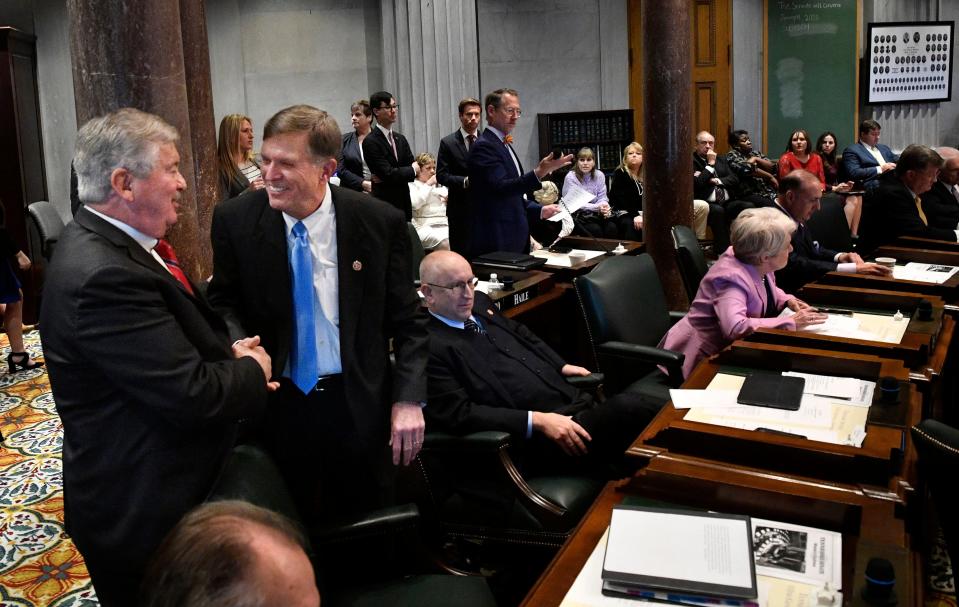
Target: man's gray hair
{"x":759,"y":233}
{"x":127,"y":138}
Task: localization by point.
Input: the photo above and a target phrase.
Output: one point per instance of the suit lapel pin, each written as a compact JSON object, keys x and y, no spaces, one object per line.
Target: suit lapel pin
{"x":357,"y":266}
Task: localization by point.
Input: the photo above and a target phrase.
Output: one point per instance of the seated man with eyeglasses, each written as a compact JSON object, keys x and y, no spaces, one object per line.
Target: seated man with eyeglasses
{"x":487,"y":372}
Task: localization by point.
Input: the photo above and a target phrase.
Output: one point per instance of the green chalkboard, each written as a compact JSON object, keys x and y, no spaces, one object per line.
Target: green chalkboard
{"x":811,"y":70}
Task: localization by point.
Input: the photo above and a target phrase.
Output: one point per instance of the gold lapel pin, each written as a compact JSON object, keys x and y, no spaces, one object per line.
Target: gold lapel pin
{"x":357,"y":266}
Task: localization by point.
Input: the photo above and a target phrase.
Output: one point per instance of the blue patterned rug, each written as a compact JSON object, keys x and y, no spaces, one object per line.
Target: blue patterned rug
{"x":39,"y":565}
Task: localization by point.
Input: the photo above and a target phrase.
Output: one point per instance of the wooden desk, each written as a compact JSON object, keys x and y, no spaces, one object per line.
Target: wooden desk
{"x":530,"y":290}
{"x":912,"y":242}
{"x":868,"y":526}
{"x":884,"y":467}
{"x":948,"y":291}
{"x":923,"y":347}
{"x":567,"y":273}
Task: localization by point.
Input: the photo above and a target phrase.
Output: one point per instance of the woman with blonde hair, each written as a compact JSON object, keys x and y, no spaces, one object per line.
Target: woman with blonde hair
{"x":626,"y":193}
{"x":429,"y":205}
{"x":237,"y":169}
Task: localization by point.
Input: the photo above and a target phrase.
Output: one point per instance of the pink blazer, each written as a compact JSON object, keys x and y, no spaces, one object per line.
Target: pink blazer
{"x":728,"y":305}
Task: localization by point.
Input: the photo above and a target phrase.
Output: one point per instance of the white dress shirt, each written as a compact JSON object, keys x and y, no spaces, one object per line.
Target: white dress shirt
{"x":321,"y":227}
{"x":147,"y":242}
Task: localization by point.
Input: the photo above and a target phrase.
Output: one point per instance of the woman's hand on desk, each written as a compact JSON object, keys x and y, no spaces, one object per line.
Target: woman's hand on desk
{"x":809,"y":316}
{"x":795,"y":304}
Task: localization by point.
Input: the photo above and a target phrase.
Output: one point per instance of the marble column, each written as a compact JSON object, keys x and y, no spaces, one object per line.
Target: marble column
{"x":131,"y":53}
{"x":430,"y":62}
{"x":667,"y":200}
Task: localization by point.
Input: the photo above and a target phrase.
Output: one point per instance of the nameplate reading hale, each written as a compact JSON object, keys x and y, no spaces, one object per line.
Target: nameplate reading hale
{"x":514,"y":298}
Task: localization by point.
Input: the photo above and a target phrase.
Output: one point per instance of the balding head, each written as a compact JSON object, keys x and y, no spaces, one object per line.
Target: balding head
{"x":949,"y":174}
{"x":799,"y":193}
{"x":446,"y":283}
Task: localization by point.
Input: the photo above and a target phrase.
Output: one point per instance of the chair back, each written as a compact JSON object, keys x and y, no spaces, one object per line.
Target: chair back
{"x":49,"y":225}
{"x":418,"y":252}
{"x":690,"y":258}
{"x":622,"y":300}
{"x":938,"y":447}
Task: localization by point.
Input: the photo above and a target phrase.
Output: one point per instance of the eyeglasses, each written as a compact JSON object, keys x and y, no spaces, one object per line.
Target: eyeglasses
{"x":513,"y":111}
{"x":395,"y":106}
{"x":458,"y":288}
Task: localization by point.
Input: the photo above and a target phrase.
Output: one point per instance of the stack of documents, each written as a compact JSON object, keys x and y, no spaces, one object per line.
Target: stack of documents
{"x":792,"y":563}
{"x":859,"y":325}
{"x":924,"y":272}
{"x":833,"y":409}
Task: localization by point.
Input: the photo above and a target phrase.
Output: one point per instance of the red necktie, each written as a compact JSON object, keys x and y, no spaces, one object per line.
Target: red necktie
{"x":165,"y":250}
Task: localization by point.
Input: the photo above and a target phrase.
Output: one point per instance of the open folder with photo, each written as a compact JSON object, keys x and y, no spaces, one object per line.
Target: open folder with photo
{"x":680,"y":555}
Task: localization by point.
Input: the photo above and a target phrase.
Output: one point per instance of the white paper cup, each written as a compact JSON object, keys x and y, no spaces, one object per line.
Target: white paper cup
{"x":576,"y":257}
{"x":889,"y":262}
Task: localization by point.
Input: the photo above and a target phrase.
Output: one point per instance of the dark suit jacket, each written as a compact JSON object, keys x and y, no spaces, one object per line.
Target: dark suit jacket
{"x":889,"y":211}
{"x":351,"y":163}
{"x":860,"y":166}
{"x":148,"y":391}
{"x":451,"y":171}
{"x":251,"y":287}
{"x":501,"y":216}
{"x":941,"y":207}
{"x":464,"y":393}
{"x":702,"y":184}
{"x":395,"y":172}
{"x":807,"y":261}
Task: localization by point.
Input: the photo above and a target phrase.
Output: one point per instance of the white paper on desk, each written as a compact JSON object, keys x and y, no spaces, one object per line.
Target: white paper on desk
{"x":869,"y":327}
{"x":587,"y":590}
{"x":813,"y":411}
{"x":689,"y":399}
{"x":679,"y":546}
{"x":795,"y":552}
{"x":576,"y":198}
{"x":561,"y":260}
{"x":828,"y":385}
{"x":924,"y":272}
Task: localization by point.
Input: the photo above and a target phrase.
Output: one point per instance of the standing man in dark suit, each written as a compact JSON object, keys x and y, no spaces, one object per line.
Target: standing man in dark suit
{"x":941,"y":202}
{"x":715,"y":183}
{"x":488,"y":372}
{"x":502,"y":194}
{"x":389,"y":156}
{"x":894,"y":207}
{"x":324,"y":275}
{"x":799,"y":195}
{"x":451,"y":172}
{"x":145,"y":381}
{"x":863,"y":162}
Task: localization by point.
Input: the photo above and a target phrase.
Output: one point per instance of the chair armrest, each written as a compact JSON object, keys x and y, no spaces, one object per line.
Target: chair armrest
{"x":586,"y":383}
{"x":385,"y":521}
{"x":672,"y":360}
{"x":675,"y":316}
{"x":486,"y":441}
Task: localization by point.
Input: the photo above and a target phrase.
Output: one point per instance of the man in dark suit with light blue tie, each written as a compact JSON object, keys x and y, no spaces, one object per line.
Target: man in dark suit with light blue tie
{"x":863,"y":162}
{"x":502,"y":194}
{"x":451,"y":172}
{"x":323,"y":275}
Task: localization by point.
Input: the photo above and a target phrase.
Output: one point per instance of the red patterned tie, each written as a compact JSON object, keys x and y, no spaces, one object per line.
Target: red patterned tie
{"x":165,"y":250}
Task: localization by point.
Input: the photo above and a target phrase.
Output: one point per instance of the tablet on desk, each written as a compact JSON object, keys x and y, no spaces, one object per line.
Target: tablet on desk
{"x":772,"y":390}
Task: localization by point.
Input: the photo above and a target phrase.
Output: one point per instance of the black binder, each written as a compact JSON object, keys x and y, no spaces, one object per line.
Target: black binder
{"x":772,"y":390}
{"x":509,"y":261}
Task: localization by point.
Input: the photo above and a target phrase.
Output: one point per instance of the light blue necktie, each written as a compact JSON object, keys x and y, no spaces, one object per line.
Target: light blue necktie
{"x":303,"y":364}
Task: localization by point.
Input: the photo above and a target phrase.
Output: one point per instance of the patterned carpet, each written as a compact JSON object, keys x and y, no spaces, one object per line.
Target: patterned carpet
{"x":39,"y":565}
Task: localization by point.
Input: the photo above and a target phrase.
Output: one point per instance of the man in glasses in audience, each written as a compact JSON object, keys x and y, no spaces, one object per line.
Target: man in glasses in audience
{"x":388,"y":155}
{"x":487,"y":372}
{"x":502,"y":205}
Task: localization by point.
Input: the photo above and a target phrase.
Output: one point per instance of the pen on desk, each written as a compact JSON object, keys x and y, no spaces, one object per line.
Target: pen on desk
{"x":834,"y":311}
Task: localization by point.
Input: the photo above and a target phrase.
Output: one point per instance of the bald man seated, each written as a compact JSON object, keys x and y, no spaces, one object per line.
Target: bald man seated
{"x":229,"y":553}
{"x":487,"y":372}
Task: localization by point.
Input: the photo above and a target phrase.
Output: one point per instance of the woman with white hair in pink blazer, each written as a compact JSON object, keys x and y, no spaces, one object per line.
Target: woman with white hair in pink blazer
{"x":739,"y":294}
